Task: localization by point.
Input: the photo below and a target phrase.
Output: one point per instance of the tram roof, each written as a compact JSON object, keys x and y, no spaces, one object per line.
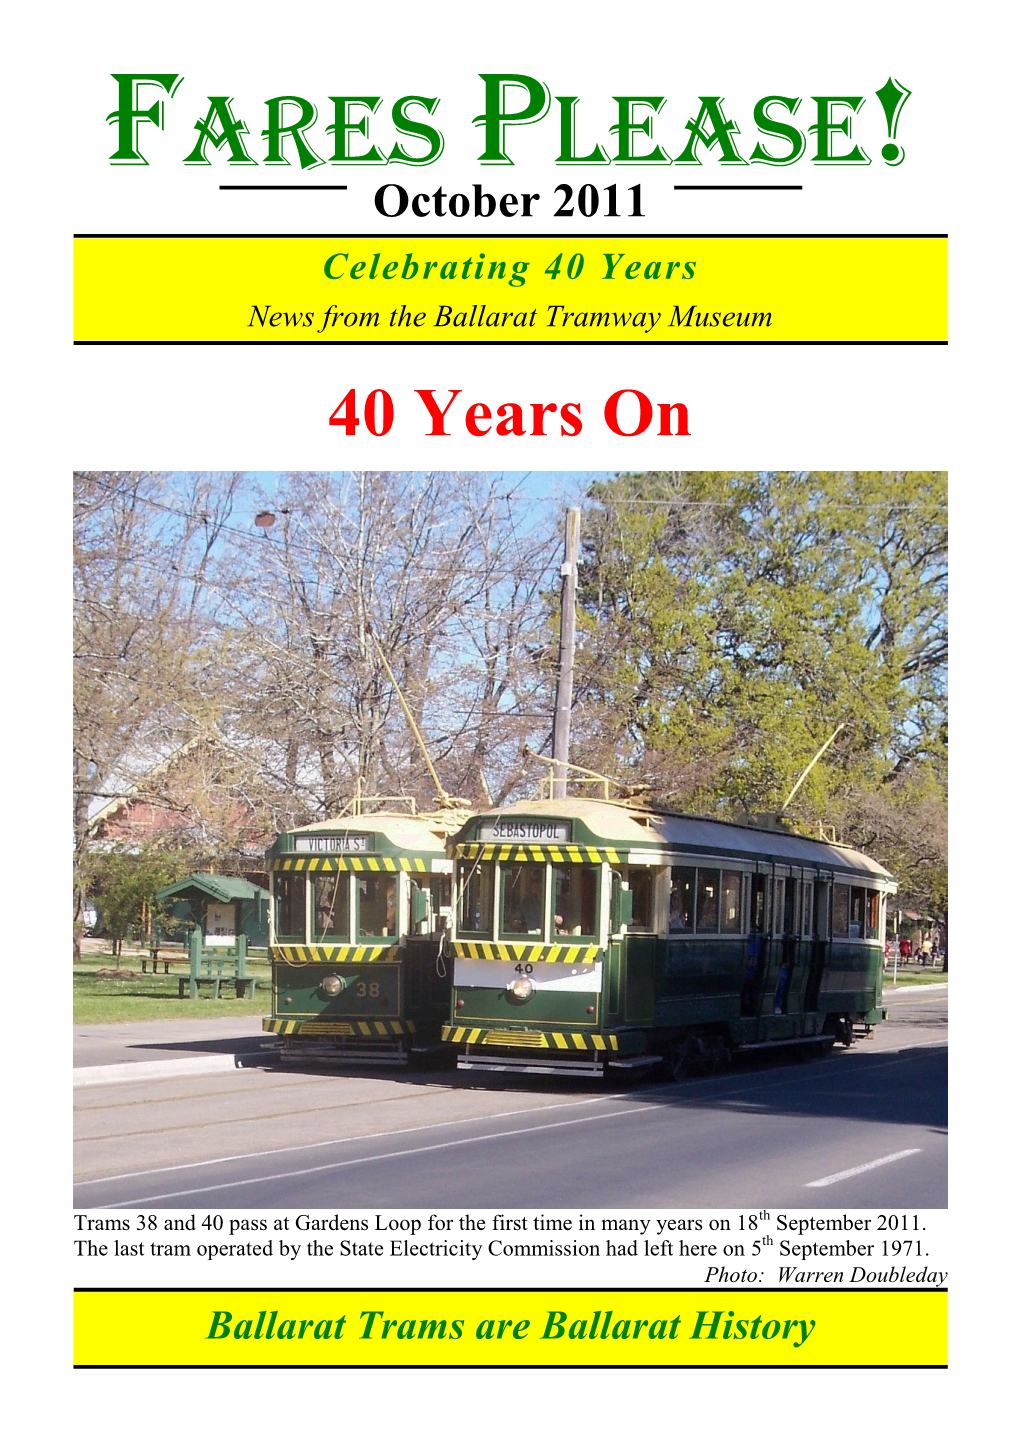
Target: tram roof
{"x":425,"y":831}
{"x":631,"y":828}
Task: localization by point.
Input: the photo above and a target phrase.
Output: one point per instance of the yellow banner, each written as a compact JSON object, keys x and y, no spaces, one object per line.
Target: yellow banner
{"x":566,"y":1328}
{"x":375,"y":289}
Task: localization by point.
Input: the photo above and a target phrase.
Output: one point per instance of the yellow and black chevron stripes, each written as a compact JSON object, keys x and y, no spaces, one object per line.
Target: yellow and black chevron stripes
{"x":533,"y":1040}
{"x":376,"y":1030}
{"x":518,"y":851}
{"x":351,"y":863}
{"x":524,"y":951}
{"x":333,"y":955}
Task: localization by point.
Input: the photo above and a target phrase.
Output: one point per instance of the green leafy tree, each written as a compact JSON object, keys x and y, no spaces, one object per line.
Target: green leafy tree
{"x":732,"y":624}
{"x":124,"y":886}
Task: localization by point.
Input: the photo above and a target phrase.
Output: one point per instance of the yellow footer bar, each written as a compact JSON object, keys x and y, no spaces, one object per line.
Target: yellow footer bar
{"x":568,"y":1328}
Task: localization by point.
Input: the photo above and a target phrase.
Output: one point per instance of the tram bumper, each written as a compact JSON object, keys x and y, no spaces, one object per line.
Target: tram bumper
{"x":382,"y":1042}
{"x":549,"y":1051}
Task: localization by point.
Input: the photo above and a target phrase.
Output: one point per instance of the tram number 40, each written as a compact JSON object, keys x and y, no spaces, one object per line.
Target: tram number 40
{"x":627,"y":412}
{"x":524,"y":968}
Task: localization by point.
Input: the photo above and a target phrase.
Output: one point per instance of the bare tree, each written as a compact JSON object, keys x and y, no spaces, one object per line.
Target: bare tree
{"x":434,"y":578}
{"x":145,"y":643}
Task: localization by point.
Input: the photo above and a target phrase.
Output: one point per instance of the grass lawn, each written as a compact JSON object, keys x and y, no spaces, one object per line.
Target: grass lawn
{"x":144,"y":997}
{"x":923,"y":977}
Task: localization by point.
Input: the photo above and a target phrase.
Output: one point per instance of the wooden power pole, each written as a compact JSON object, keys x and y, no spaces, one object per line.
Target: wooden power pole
{"x":565,"y":676}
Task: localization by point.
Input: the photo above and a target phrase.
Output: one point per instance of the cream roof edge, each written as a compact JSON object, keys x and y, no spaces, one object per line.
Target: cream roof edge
{"x":424,"y":831}
{"x":634,"y":825}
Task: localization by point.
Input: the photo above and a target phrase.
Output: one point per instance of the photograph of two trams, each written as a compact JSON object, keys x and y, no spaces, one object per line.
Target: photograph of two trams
{"x":553,"y":771}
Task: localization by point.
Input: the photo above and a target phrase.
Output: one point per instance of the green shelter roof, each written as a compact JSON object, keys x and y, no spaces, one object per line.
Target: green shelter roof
{"x":220,"y":888}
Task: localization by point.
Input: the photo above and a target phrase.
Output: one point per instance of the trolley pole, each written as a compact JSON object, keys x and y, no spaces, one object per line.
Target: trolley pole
{"x":565,"y":674}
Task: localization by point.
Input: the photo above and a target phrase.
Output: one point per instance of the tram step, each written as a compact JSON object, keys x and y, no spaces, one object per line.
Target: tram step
{"x":784,"y":1041}
{"x":358,"y":1054}
{"x":552,"y":1066}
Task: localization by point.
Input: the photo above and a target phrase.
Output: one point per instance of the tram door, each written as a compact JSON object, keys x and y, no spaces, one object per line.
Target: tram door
{"x":757,"y":946}
{"x":819,"y":945}
{"x":787,"y":905}
{"x":429,"y":969}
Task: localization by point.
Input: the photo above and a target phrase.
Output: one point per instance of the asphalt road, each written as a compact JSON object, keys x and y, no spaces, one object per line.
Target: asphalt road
{"x":862,"y":1128}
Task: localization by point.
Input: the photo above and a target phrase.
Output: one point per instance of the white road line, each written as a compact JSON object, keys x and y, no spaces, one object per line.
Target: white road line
{"x":379,"y":1157}
{"x":867,"y":1167}
{"x":876,"y":1063}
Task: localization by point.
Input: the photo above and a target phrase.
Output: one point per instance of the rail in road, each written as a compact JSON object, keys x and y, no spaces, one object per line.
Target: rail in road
{"x":864,"y":1128}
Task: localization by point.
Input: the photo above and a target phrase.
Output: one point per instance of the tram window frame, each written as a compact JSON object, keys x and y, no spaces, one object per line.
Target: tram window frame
{"x":539,"y":933}
{"x":482,"y":874}
{"x":363,"y":880}
{"x":339,"y":879}
{"x":286,"y":881}
{"x":840,"y":909}
{"x":580,"y":870}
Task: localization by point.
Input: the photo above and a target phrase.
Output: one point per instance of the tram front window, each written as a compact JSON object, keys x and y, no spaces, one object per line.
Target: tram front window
{"x":524,"y":899}
{"x":476,"y":885}
{"x":575,"y":900}
{"x":377,"y":905}
{"x":289,"y":893}
{"x":331,"y":902}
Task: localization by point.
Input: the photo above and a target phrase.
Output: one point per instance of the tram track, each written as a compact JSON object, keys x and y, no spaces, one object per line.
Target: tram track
{"x":786,"y":1121}
{"x":293,"y":1111}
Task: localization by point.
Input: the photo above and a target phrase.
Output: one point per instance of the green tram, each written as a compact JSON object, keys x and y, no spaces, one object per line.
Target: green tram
{"x":357,"y":937}
{"x":590,"y":933}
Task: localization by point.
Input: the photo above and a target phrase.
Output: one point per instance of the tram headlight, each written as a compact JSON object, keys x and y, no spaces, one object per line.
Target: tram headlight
{"x":522,"y":988}
{"x":332,"y":985}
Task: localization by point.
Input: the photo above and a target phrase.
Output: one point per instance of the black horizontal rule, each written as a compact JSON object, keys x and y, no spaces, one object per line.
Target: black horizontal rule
{"x":457,"y":345}
{"x":508,"y":1291}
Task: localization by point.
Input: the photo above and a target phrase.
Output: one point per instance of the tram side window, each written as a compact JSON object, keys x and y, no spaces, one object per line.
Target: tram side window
{"x":730,"y":920}
{"x":642,"y":888}
{"x":289,"y":892}
{"x":807,"y":895}
{"x":791,"y":907}
{"x":575,"y":889}
{"x":476,"y":897}
{"x":377,"y":905}
{"x":841,"y":911}
{"x":759,"y":903}
{"x":707,"y":918}
{"x":332,"y":911}
{"x":682,"y":881}
{"x":857,"y":908}
{"x":523,"y":899}
{"x":871,"y":914}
